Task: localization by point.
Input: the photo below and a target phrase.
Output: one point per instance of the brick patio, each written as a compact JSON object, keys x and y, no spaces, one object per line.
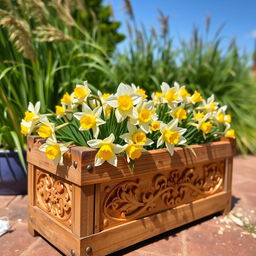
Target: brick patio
{"x":211,"y":236}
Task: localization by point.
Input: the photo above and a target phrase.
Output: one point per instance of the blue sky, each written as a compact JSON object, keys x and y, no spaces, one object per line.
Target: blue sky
{"x":239,"y":16}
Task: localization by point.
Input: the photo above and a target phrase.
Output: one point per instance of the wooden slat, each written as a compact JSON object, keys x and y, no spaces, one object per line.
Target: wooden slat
{"x":57,"y":235}
{"x":127,"y":234}
{"x":83,"y":205}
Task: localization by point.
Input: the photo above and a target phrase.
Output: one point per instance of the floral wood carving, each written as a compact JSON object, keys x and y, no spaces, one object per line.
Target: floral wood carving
{"x":132,"y":199}
{"x":54,"y":196}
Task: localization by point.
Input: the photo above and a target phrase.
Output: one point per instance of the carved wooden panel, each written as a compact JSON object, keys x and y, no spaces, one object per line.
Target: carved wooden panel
{"x":54,"y":196}
{"x":127,"y":200}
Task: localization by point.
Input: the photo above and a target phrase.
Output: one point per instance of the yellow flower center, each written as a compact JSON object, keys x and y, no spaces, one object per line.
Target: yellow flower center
{"x":145,"y":115}
{"x":139,"y":138}
{"x":213,"y":106}
{"x":125,"y":102}
{"x":134,"y":152}
{"x":80,"y":92}
{"x":105,"y":152}
{"x":155,"y":126}
{"x":105,"y":96}
{"x":44,"y":131}
{"x":220,"y":118}
{"x":29,"y":116}
{"x":172,"y":137}
{"x":53,"y":151}
{"x":159,"y":94}
{"x":87,"y":122}
{"x":24,"y":129}
{"x":184,"y":93}
{"x":66,"y":99}
{"x":196,"y":97}
{"x":199,"y":116}
{"x":171,"y":95}
{"x":107,"y":111}
{"x":142,"y":93}
{"x":228,"y":118}
{"x":206,"y":127}
{"x":60,"y":110}
{"x":230,"y":134}
{"x":180,"y":113}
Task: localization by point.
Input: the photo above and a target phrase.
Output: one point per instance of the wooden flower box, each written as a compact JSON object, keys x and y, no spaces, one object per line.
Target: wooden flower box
{"x":84,"y":210}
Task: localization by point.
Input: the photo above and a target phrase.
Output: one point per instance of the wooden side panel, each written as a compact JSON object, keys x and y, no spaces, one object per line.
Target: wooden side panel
{"x":135,"y":231}
{"x":134,"y":198}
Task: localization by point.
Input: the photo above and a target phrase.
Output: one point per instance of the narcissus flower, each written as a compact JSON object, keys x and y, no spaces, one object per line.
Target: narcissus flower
{"x":66,"y":99}
{"x":133,"y":151}
{"x":171,"y":135}
{"x":170,"y":95}
{"x":123,"y":101}
{"x":155,"y":126}
{"x":230,"y":134}
{"x":198,"y":116}
{"x":54,"y":150}
{"x":157,"y":97}
{"x":139,"y":91}
{"x":195,"y":98}
{"x":209,"y":105}
{"x":81,"y":92}
{"x":184,"y":93}
{"x":106,"y":108}
{"x":107,"y":150}
{"x":179,"y":112}
{"x":143,"y":115}
{"x":205,"y":127}
{"x":90,"y":119}
{"x":136,"y":135}
{"x":46,"y":129}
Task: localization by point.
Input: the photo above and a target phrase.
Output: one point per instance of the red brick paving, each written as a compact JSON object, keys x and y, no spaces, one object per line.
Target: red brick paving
{"x":199,"y":238}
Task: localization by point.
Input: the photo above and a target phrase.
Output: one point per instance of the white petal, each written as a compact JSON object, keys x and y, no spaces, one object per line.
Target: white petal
{"x":37,"y":107}
{"x":165,"y":87}
{"x":149,"y":142}
{"x":86,"y":109}
{"x":95,"y":131}
{"x":113,"y":161}
{"x":118,"y":148}
{"x":170,"y":148}
{"x":160,"y":141}
{"x":43,"y":147}
{"x":78,"y":115}
{"x":123,"y":89}
{"x":112,"y":101}
{"x":126,"y":137}
{"x":98,"y":161}
{"x":136,"y":99}
{"x":31,"y":107}
{"x":97,"y":111}
{"x":110,"y":138}
{"x":119,"y":116}
{"x":94,"y":143}
{"x":182,"y":140}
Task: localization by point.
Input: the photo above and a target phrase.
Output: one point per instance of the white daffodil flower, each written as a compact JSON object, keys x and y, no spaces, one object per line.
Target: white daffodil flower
{"x":140,"y":91}
{"x":136,"y":135}
{"x":106,"y":107}
{"x":171,"y":135}
{"x":209,"y":105}
{"x":179,"y":112}
{"x":31,"y":118}
{"x":107,"y":150}
{"x":54,"y":150}
{"x":184,"y":94}
{"x":195,"y":98}
{"x":171,"y":94}
{"x":221,"y":117}
{"x":204,"y":124}
{"x":80,"y":94}
{"x":123,"y":101}
{"x":133,"y":151}
{"x":143,"y":115}
{"x":46,"y":129}
{"x":90,"y":119}
{"x":157,"y":98}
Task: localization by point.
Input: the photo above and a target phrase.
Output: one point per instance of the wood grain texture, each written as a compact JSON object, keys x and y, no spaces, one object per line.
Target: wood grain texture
{"x":78,"y":159}
{"x":135,"y":231}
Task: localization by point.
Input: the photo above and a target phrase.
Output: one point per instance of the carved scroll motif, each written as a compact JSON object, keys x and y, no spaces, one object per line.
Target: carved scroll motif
{"x":131,"y":199}
{"x":54,"y":196}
